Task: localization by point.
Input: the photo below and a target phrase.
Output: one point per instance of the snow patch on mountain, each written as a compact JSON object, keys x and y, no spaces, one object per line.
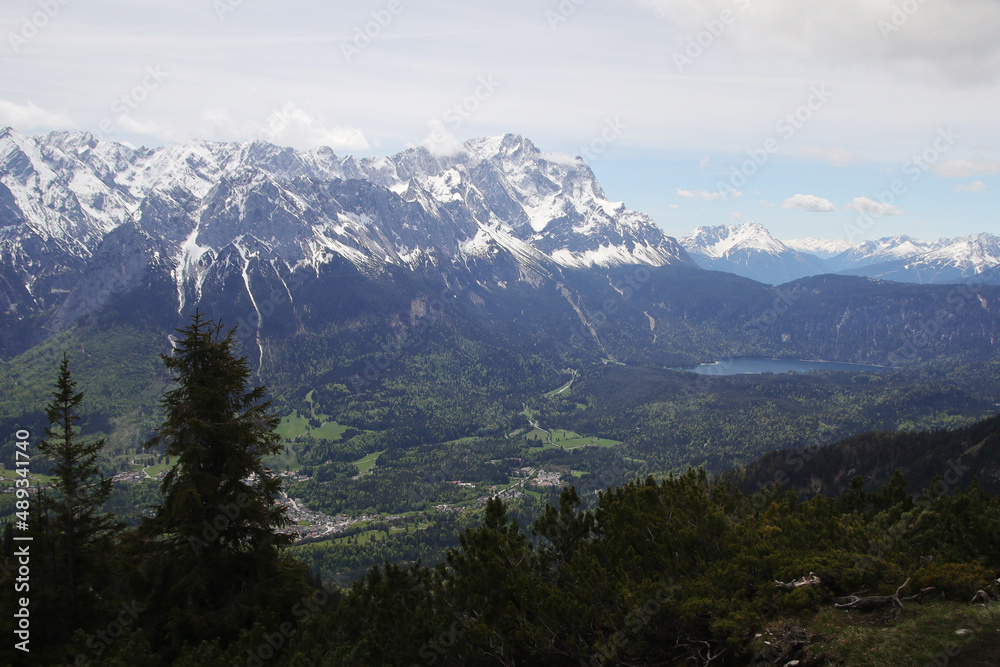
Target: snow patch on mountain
{"x":822,"y":248}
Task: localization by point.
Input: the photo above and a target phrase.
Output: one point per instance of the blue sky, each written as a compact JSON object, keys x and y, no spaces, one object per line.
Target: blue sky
{"x":829,"y":102}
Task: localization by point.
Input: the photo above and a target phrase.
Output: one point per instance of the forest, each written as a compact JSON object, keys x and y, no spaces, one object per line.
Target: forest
{"x":616,"y":567}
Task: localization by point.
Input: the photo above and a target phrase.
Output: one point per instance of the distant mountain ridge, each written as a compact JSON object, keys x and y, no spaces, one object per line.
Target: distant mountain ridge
{"x":961,"y":259}
{"x":748,"y":249}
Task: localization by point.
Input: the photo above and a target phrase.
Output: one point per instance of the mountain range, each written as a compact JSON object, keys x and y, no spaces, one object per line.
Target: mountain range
{"x":325,"y":262}
{"x":82,"y":221}
{"x":749,"y":250}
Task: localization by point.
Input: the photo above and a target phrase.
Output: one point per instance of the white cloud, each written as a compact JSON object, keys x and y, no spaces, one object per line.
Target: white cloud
{"x":704,"y":162}
{"x":708,"y":195}
{"x":440,"y":141}
{"x":866,"y":205}
{"x":130,"y":124}
{"x":963,"y":168}
{"x":288,"y":125}
{"x":736,"y":216}
{"x":764,"y":202}
{"x":291,"y":126}
{"x":975,"y":186}
{"x":837,"y":157}
{"x":810,"y":203}
{"x":675,"y":206}
{"x":30,"y":116}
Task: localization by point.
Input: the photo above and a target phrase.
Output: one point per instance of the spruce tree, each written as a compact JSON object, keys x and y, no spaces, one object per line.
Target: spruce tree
{"x":75,"y":526}
{"x":216,"y":543}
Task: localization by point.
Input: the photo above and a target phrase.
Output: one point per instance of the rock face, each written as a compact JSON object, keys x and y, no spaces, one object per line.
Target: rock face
{"x":82,"y":221}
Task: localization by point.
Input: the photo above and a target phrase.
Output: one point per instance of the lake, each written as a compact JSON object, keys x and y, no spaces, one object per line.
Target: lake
{"x":757,"y":366}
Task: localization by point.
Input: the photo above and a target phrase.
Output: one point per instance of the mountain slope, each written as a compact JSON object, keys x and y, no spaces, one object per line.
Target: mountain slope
{"x":956,"y":456}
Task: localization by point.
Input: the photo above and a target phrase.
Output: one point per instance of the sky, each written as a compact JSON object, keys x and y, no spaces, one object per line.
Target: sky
{"x":848,"y":120}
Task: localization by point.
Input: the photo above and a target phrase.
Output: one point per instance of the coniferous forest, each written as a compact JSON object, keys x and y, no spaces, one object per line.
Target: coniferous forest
{"x":667,"y":569}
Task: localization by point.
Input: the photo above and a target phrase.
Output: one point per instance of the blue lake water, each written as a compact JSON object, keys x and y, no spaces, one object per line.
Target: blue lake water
{"x":757,"y":366}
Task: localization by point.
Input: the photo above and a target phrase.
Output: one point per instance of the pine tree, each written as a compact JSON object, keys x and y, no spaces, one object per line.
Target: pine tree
{"x":77,"y":528}
{"x":216,"y":540}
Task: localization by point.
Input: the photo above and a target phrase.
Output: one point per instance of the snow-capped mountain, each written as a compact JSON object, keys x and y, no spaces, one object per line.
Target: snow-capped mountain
{"x":82,"y":220}
{"x":749,"y":250}
{"x":973,"y":258}
{"x":887,"y":249}
{"x":822,"y":248}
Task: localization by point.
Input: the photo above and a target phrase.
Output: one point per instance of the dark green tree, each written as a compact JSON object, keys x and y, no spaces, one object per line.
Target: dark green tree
{"x":216,"y":544}
{"x":79,"y":531}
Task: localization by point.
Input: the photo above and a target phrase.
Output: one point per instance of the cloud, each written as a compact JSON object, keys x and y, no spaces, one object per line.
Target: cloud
{"x":963,"y":168}
{"x":704,"y":162}
{"x":837,"y":157}
{"x":955,"y":40}
{"x":30,"y":116}
{"x":975,"y":186}
{"x":675,"y":206}
{"x":708,"y":195}
{"x":810,"y":203}
{"x":291,"y":126}
{"x":866,"y":205}
{"x":764,"y":202}
{"x":440,"y":141}
{"x":130,"y":124}
{"x":287,"y":126}
{"x":736,"y":216}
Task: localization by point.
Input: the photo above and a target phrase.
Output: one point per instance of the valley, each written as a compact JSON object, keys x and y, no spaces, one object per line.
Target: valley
{"x":437,"y":335}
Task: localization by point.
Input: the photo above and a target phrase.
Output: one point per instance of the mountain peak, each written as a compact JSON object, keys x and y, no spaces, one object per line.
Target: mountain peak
{"x":501,"y":146}
{"x":720,"y":240}
{"x":749,"y":250}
